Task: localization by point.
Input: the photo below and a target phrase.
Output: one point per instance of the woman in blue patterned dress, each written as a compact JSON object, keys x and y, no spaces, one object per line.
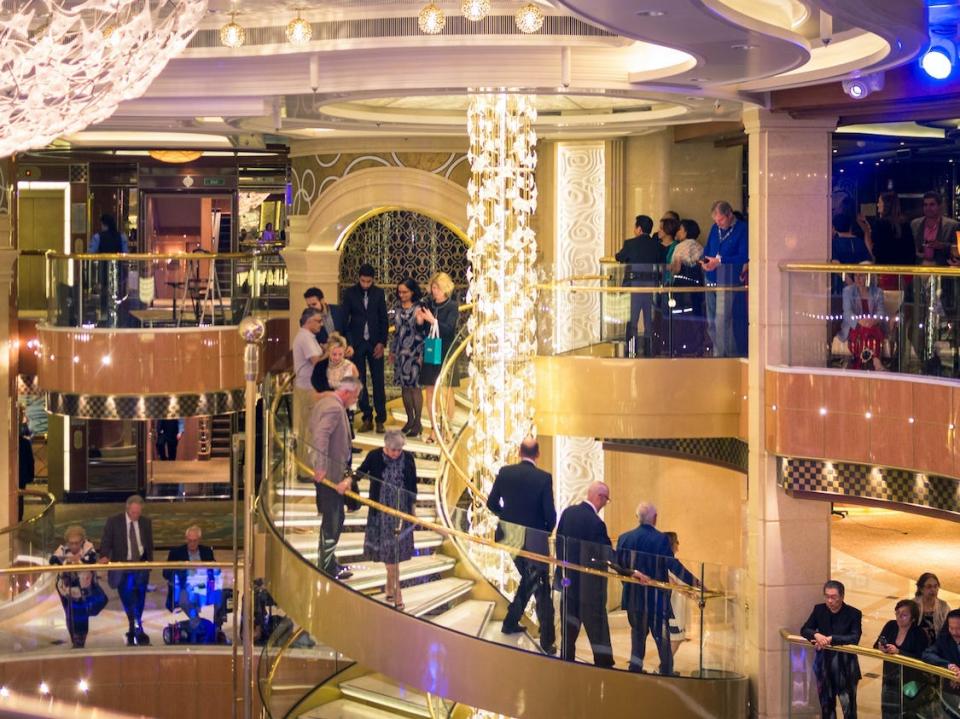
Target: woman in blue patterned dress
{"x":407,"y":350}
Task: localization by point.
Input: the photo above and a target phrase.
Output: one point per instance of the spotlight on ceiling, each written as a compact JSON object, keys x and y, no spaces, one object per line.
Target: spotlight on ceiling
{"x":939,"y":58}
{"x":859,"y":87}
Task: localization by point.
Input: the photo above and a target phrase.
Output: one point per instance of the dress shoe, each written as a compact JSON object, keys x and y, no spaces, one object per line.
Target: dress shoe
{"x":413,"y":431}
{"x":380,"y":428}
{"x":344,"y":574}
{"x":551,"y":650}
{"x":131,"y":639}
{"x":141,"y":638}
{"x":511,"y":629}
{"x":366,"y":425}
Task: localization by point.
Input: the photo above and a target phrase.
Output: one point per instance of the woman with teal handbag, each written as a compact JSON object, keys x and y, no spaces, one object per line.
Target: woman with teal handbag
{"x":441,"y":312}
{"x":901,"y":685}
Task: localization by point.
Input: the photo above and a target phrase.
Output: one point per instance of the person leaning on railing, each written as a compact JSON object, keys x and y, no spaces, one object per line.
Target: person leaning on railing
{"x":79,"y":592}
{"x":945,"y":651}
{"x":902,"y":637}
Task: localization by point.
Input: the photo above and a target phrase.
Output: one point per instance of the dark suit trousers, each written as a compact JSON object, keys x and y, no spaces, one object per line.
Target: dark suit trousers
{"x":167,"y":448}
{"x":363,"y":356}
{"x":330,"y":506}
{"x":534,"y":580}
{"x":641,"y":305}
{"x":592,"y":614}
{"x":78,"y":621}
{"x":133,"y":594}
{"x":642,"y":622}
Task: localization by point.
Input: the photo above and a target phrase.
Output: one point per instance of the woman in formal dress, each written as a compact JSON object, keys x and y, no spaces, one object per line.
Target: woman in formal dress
{"x":901,"y":636}
{"x":439,"y":309}
{"x":933,"y":610}
{"x":75,"y":588}
{"x":407,"y":350}
{"x":393,"y":483}
{"x":864,"y":323}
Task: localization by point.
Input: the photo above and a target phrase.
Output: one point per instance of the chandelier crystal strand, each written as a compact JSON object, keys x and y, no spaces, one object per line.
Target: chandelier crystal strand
{"x":529,"y":18}
{"x":232,"y":34}
{"x":66,"y":66}
{"x":475,"y":10}
{"x":502,"y":287}
{"x":299,"y":31}
{"x":431,"y":19}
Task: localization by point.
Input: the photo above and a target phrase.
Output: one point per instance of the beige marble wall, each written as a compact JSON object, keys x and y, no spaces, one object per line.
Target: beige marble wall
{"x":701,"y":174}
{"x":9,"y":351}
{"x":646,"y":183}
{"x":788,"y":547}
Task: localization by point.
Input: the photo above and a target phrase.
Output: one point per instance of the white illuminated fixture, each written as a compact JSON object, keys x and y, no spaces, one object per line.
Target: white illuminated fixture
{"x":232,"y":34}
{"x":67,"y":65}
{"x":475,"y":10}
{"x":859,"y":87}
{"x":299,"y":31}
{"x":941,"y":55}
{"x":44,"y":688}
{"x":82,"y":686}
{"x":529,"y":18}
{"x":431,"y":19}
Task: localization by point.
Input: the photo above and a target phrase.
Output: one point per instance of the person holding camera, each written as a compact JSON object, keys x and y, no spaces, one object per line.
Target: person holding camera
{"x":79,"y":592}
{"x":902,"y":636}
{"x":864,"y":323}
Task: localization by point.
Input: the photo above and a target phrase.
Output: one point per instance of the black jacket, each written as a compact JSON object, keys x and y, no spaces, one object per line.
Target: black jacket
{"x":582,"y":539}
{"x":943,"y":652}
{"x":639,"y":250}
{"x":373,"y":464}
{"x":845,"y":627}
{"x":336,"y":314}
{"x":447,"y":314}
{"x":523,"y":494}
{"x":179,"y":576}
{"x":355,"y":315}
{"x":113,"y":543}
{"x":913,"y":646}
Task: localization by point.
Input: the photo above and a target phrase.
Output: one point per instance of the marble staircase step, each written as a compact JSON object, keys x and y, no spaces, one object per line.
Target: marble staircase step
{"x":349,"y":709}
{"x":469,"y":617}
{"x":370,"y":575}
{"x":386,"y":694}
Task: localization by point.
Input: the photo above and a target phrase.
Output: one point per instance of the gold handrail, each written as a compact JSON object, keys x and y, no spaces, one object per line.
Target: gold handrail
{"x":658,"y":290}
{"x":51,"y":500}
{"x":111,"y":567}
{"x":137,"y":256}
{"x":875,"y":654}
{"x":832,"y":268}
{"x":452,"y":531}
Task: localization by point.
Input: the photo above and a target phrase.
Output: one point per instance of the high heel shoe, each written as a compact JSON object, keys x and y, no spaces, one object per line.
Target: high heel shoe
{"x":412,"y":431}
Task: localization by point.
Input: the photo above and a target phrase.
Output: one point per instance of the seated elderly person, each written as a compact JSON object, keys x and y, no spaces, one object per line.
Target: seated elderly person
{"x":864,"y":323}
{"x":79,"y":592}
{"x":182,"y":591}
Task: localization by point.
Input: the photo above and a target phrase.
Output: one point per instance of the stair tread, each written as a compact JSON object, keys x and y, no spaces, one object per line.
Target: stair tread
{"x":351,"y":543}
{"x":423,"y":598}
{"x":460,"y":417}
{"x":424,"y":491}
{"x":468,"y":617}
{"x":349,"y":709}
{"x":368,"y":575}
{"x":376,"y":686}
{"x":372,"y":439}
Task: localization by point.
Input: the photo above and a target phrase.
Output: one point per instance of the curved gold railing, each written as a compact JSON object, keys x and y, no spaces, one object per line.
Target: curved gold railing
{"x":48,"y":507}
{"x":909,"y":270}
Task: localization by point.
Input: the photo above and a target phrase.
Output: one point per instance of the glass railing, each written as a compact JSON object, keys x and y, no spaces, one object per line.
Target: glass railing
{"x":395,"y":560}
{"x":629,"y":310}
{"x":148,"y":290}
{"x":26,"y":544}
{"x":908,"y":686}
{"x":873,"y":318}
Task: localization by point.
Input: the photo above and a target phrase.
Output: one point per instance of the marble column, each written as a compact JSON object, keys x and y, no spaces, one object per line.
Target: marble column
{"x":8,"y":346}
{"x":310,"y":268}
{"x":788,"y":554}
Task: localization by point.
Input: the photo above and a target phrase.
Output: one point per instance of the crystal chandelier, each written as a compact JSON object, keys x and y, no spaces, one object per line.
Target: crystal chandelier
{"x":299,"y":31}
{"x":65,"y":66}
{"x":431,"y":19}
{"x":475,"y":10}
{"x":232,"y":34}
{"x":529,"y":18}
{"x":502,"y":287}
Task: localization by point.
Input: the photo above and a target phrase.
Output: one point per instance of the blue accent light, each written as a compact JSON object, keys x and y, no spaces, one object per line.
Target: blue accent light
{"x":936,"y":62}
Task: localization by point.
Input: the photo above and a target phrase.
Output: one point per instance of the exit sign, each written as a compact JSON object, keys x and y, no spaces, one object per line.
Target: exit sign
{"x":214,"y":181}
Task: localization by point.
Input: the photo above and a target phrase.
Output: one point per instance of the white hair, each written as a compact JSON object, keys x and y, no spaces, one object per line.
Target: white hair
{"x":646,"y":512}
{"x":393,"y":439}
{"x":194,"y":528}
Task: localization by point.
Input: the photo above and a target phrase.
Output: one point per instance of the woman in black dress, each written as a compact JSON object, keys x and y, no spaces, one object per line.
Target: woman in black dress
{"x":901,"y":636}
{"x":442,"y":309}
{"x":393,"y":483}
{"x":406,"y":348}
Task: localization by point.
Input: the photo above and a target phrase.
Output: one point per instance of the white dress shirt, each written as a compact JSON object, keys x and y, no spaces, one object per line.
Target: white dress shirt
{"x":133,"y":553}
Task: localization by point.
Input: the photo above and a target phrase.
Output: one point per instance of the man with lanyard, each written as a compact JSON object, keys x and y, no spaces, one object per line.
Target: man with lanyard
{"x":723,"y":262}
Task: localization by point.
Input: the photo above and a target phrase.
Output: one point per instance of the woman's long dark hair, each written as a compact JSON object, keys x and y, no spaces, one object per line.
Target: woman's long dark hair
{"x":411,"y":284}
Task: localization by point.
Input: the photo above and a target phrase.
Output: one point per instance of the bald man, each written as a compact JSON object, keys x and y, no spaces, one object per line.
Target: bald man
{"x":582,"y":539}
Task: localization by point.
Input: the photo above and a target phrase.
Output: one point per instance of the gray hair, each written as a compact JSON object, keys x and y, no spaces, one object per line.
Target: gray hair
{"x":394,"y":439}
{"x":307,"y":314}
{"x":75,"y":530}
{"x":721,"y":206}
{"x":688,"y":253}
{"x":646,"y":512}
{"x":194,"y":528}
{"x":134,"y":499}
{"x":350,"y":383}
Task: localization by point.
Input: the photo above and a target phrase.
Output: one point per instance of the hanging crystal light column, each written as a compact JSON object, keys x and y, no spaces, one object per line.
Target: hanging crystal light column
{"x":502,"y":280}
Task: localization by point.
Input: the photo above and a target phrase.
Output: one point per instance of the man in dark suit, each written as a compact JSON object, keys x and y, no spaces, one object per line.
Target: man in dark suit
{"x":640,"y":254}
{"x":192,"y":551}
{"x":128,"y":537}
{"x":332,"y":320}
{"x":648,"y":551}
{"x":169,"y":432}
{"x":365,"y":317}
{"x":582,"y":539}
{"x":945,"y":651}
{"x":832,"y":624}
{"x":522,"y":497}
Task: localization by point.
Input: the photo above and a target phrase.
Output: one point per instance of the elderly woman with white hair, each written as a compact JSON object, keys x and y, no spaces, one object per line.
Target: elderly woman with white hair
{"x":79,"y":592}
{"x":393,"y":484}
{"x":685,"y":310}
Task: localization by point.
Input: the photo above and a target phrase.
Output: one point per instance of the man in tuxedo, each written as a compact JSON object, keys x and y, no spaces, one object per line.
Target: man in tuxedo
{"x":332,"y":455}
{"x":832,"y":624}
{"x":128,"y":537}
{"x":640,"y":254}
{"x":365,"y":317}
{"x":332,"y":317}
{"x":648,"y":551}
{"x":191,"y":551}
{"x":522,"y":496}
{"x":582,"y":539}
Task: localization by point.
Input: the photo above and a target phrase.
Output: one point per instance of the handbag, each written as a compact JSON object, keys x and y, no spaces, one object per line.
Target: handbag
{"x":349,"y":503}
{"x":96,"y":599}
{"x":433,"y":346}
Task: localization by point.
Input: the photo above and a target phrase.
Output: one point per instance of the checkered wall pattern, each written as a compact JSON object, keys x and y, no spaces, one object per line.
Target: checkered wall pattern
{"x":145,"y":406}
{"x":861,"y":480}
{"x":727,"y":452}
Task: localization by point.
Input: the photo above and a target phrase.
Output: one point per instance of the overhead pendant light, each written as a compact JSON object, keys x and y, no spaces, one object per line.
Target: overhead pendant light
{"x":431,"y":19}
{"x":529,"y":18}
{"x":232,"y":34}
{"x":176,"y":156}
{"x":299,"y":31}
{"x":475,"y":10}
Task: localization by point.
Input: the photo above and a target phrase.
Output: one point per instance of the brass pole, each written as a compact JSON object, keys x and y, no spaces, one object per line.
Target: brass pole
{"x":252,"y":330}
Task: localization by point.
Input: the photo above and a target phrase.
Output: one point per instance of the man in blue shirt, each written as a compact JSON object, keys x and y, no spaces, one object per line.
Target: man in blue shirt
{"x":724,"y":257}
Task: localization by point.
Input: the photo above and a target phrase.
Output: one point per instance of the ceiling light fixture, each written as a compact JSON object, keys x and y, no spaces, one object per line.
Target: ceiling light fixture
{"x":176,"y":156}
{"x":232,"y":34}
{"x":859,"y":87}
{"x":940,"y":57}
{"x":299,"y":31}
{"x":650,"y":13}
{"x":59,"y":74}
{"x":529,"y":18}
{"x":475,"y":10}
{"x":431,"y":20}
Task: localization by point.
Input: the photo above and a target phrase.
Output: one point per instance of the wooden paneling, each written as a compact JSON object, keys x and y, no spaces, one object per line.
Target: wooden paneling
{"x":39,"y":227}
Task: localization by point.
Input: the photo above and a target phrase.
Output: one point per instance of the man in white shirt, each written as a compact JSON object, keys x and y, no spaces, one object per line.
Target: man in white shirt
{"x":128,"y":537}
{"x":306,"y":353}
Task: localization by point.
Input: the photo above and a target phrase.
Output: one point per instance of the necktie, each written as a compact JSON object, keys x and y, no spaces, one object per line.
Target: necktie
{"x":133,"y":547}
{"x":366,"y":325}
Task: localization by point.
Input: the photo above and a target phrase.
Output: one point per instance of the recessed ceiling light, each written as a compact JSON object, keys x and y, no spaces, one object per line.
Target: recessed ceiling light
{"x":743,"y":46}
{"x":651,"y":13}
{"x":694,"y":98}
{"x":698,"y":79}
